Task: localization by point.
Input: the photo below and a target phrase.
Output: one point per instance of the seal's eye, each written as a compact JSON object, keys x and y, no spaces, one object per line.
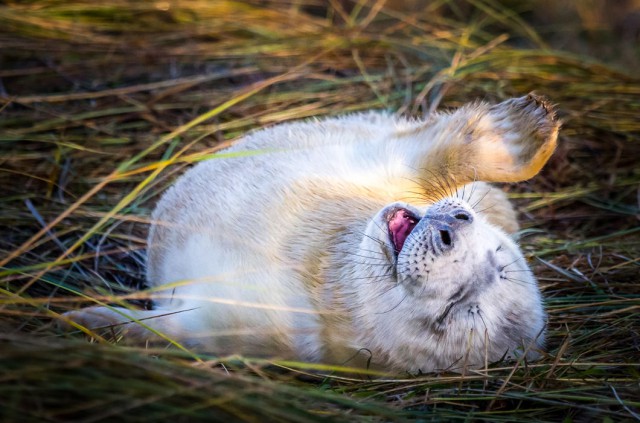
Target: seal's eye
{"x":401,"y":223}
{"x":462,"y":216}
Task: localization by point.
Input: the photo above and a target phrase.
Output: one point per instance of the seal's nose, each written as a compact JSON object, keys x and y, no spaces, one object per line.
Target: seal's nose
{"x":444,"y":222}
{"x":439,"y":229}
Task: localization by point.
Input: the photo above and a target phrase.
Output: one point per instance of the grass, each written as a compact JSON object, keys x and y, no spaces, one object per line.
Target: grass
{"x":103,"y":105}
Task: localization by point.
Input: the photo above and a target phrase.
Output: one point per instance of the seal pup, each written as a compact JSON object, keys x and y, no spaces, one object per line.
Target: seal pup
{"x":367,"y":238}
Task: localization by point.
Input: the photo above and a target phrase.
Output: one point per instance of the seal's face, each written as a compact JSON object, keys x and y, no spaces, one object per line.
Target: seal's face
{"x":466,"y":283}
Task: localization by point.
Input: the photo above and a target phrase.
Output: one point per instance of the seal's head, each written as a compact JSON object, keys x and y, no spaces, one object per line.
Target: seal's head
{"x":465,"y":295}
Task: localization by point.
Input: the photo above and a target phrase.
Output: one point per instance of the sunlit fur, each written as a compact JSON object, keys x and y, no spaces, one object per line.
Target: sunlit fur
{"x":286,"y":252}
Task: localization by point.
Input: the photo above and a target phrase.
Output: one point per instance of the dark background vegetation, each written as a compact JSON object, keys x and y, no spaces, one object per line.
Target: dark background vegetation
{"x":103,"y":104}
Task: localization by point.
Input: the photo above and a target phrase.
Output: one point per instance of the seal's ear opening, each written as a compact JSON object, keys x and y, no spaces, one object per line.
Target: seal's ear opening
{"x":400,"y":223}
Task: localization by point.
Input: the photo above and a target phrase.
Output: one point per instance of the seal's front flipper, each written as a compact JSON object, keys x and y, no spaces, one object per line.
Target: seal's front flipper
{"x":507,"y":142}
{"x":515,"y":139}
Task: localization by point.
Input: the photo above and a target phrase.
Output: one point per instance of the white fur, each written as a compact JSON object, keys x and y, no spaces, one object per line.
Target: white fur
{"x":286,"y":252}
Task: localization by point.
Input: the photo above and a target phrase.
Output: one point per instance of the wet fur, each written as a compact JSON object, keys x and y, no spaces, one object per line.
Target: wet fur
{"x":286,"y":253}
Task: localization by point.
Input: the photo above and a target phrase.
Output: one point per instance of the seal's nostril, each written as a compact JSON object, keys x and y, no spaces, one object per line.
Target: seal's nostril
{"x":446,"y":237}
{"x":462,"y":216}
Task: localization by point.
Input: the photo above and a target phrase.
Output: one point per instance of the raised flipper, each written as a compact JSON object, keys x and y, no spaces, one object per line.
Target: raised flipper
{"x":507,"y":142}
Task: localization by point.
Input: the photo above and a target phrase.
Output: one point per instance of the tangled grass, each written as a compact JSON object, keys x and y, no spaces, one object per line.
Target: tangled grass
{"x":103,"y":105}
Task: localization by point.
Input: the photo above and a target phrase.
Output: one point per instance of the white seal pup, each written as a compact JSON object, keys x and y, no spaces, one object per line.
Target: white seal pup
{"x":364,"y":238}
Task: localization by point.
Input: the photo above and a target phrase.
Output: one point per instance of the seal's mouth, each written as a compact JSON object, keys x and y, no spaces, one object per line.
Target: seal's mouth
{"x":401,"y":222}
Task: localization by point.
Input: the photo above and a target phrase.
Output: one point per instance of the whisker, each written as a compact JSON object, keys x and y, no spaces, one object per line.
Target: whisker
{"x":373,"y":277}
{"x":509,"y":264}
{"x":440,"y":185}
{"x":378,"y":257}
{"x":432,"y":186}
{"x":480,"y":200}
{"x":422,"y":195}
{"x":486,"y":208}
{"x":370,"y":237}
{"x":377,"y":268}
{"x":520,"y":270}
{"x":417,"y":196}
{"x":378,"y":253}
{"x":386,"y":291}
{"x":450,"y":181}
{"x":374,"y":265}
{"x":525,"y":283}
{"x":394,"y":307}
{"x":474,"y":186}
{"x":464,"y":189}
{"x":367,"y":263}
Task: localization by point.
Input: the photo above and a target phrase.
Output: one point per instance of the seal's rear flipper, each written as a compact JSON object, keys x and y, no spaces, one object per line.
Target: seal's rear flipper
{"x":139,"y":326}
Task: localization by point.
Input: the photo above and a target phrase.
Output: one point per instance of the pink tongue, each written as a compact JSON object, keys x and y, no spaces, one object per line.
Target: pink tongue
{"x":400,"y":226}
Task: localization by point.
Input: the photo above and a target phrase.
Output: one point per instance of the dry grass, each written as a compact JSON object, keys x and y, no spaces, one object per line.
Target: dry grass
{"x":102,"y":105}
